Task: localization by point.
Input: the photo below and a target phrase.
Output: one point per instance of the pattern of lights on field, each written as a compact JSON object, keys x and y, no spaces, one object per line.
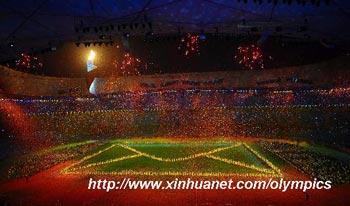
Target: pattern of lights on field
{"x":189,"y":45}
{"x":250,"y":57}
{"x":262,"y":172}
{"x":28,"y":62}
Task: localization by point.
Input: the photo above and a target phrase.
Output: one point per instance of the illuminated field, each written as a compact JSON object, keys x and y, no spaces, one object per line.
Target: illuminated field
{"x":162,"y":157}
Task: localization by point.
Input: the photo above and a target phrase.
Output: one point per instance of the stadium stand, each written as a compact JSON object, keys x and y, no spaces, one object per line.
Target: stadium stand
{"x":24,"y":84}
{"x":328,"y":74}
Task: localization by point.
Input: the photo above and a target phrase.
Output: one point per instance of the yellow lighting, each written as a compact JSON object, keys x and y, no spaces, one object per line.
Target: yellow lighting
{"x":273,"y":171}
{"x":92,"y":55}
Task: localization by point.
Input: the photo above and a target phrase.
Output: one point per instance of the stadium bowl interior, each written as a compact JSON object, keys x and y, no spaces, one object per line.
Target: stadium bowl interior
{"x":164,"y":89}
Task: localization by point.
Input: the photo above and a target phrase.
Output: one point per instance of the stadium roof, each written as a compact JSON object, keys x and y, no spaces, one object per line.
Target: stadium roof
{"x":33,"y":23}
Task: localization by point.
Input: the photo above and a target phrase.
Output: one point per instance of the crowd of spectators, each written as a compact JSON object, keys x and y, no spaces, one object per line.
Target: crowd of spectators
{"x":317,"y":115}
{"x":313,"y":163}
{"x":187,"y":99}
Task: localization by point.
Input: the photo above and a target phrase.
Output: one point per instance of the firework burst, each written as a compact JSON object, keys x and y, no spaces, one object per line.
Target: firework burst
{"x":251,"y":57}
{"x":128,"y":65}
{"x":189,"y":45}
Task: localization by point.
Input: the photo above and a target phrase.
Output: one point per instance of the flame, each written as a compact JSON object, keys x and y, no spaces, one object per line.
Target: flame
{"x":92,"y":55}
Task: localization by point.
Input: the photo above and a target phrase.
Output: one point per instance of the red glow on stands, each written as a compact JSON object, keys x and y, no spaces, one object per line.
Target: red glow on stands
{"x":251,"y":57}
{"x":282,"y":98}
{"x":18,"y":123}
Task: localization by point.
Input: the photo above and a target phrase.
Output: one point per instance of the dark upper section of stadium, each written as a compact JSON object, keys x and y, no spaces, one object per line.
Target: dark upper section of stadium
{"x":43,"y":28}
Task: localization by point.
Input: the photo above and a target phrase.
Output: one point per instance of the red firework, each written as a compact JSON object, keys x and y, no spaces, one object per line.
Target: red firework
{"x":28,"y":62}
{"x":251,"y":57}
{"x":189,"y":44}
{"x":127,"y":65}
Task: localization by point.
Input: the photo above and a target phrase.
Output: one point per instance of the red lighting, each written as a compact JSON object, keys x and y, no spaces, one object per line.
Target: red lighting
{"x":251,"y":57}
